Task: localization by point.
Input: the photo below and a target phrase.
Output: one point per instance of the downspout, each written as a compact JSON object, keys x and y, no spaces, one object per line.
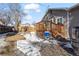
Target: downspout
{"x":68,"y":18}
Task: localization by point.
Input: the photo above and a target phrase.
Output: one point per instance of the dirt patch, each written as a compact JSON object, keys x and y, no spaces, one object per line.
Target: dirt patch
{"x":53,"y":51}
{"x":14,"y":37}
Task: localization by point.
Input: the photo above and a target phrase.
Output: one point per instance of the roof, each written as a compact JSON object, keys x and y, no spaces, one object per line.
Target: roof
{"x":57,"y":9}
{"x":75,"y":6}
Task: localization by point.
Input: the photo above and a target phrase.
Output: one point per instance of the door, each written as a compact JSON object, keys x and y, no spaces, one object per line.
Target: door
{"x":77,"y":34}
{"x":75,"y":42}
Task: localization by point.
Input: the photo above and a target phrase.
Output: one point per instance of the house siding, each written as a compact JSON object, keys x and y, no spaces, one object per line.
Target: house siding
{"x":51,"y":13}
{"x":74,"y":21}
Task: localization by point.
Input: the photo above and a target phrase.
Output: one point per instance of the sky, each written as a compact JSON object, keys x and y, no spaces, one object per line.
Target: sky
{"x":35,"y":12}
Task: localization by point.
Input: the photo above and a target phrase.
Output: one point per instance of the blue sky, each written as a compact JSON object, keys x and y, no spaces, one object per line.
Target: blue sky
{"x":35,"y":12}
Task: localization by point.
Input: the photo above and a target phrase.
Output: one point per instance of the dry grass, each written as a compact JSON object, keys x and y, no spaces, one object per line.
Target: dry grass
{"x":15,"y":37}
{"x":10,"y":50}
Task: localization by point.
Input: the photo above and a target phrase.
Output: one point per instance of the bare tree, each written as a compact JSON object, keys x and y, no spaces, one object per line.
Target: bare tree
{"x":4,"y":17}
{"x":16,"y":14}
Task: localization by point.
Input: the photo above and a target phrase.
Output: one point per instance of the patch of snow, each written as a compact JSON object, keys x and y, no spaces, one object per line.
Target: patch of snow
{"x":3,"y":43}
{"x":54,"y":42}
{"x":27,"y":48}
{"x":46,"y":42}
{"x":2,"y":38}
{"x":32,"y":37}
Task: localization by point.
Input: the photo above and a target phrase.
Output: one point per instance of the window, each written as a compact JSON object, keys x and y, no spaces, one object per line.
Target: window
{"x":53,"y":20}
{"x":60,"y":20}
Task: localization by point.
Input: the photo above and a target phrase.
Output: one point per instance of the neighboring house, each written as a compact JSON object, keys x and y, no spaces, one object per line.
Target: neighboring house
{"x":1,"y":23}
{"x":23,"y":27}
{"x":74,"y":22}
{"x":4,"y":28}
{"x":74,"y":26}
{"x":31,"y":28}
{"x":56,"y":21}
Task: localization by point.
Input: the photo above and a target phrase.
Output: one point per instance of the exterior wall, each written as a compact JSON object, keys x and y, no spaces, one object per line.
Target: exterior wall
{"x":56,"y":13}
{"x":4,"y":29}
{"x":62,"y":13}
{"x":22,"y":28}
{"x":1,"y":23}
{"x":31,"y":28}
{"x":74,"y":22}
{"x":40,"y":26}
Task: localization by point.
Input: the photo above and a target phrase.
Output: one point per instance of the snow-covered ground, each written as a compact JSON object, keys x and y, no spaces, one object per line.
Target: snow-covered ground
{"x":32,"y":36}
{"x":27,"y":47}
{"x":2,"y":42}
